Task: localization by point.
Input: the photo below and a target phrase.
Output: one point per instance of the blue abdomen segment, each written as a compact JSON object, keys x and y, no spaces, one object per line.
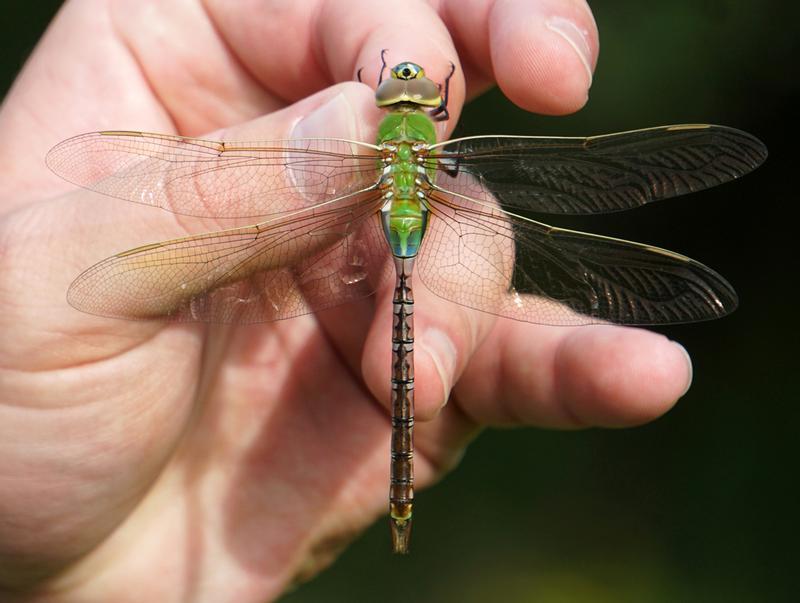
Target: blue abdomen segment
{"x":404,"y":223}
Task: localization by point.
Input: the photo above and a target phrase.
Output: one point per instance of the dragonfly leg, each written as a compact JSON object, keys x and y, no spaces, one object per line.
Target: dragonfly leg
{"x":440,"y":113}
{"x":383,"y":68}
{"x":383,"y":65}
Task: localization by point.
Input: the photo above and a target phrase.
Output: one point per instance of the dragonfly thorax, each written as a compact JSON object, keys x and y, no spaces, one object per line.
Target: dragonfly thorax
{"x":404,"y":183}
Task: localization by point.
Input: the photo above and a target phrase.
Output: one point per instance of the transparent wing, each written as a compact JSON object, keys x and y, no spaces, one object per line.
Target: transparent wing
{"x":277,"y":269}
{"x":215,"y":179}
{"x":596,"y":174}
{"x":481,"y":257}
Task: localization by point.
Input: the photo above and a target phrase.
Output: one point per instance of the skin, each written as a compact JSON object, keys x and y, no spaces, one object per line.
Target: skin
{"x":232,"y":461}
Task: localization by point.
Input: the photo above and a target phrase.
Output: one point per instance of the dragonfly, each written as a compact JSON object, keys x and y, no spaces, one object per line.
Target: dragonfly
{"x":336,"y":219}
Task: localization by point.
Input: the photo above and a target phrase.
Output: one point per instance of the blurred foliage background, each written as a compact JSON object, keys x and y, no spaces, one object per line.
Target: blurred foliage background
{"x":700,"y":505}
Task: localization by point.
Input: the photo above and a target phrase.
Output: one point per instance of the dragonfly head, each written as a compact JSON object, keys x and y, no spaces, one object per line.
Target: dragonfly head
{"x":408,"y":84}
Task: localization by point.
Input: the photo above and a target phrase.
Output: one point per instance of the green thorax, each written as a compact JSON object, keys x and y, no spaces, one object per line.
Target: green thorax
{"x":404,"y":214}
{"x":407,"y":124}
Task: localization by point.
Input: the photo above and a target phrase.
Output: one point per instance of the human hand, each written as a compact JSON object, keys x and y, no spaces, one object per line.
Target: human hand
{"x":241,"y":458}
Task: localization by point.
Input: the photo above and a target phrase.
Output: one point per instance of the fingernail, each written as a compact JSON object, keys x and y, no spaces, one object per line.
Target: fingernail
{"x":443,"y":354}
{"x":690,"y":371}
{"x":576,"y":37}
{"x":334,"y":119}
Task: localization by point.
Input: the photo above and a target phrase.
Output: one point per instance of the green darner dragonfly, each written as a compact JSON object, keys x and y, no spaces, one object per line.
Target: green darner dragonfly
{"x":449,"y":210}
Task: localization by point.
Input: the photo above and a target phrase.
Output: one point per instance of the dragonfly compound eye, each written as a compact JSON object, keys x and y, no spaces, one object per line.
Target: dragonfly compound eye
{"x":408,"y":71}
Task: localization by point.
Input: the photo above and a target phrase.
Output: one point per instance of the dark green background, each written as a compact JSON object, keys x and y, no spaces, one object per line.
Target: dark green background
{"x":700,"y":505}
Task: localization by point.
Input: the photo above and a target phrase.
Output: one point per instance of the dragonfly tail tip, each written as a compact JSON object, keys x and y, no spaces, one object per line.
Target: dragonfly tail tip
{"x":401,"y":535}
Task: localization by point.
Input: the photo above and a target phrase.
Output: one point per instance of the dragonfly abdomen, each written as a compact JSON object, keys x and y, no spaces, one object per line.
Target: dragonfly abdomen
{"x":401,"y":483}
